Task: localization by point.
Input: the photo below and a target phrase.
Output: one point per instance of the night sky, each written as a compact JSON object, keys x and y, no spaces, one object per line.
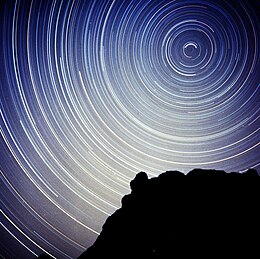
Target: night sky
{"x":93,"y":92}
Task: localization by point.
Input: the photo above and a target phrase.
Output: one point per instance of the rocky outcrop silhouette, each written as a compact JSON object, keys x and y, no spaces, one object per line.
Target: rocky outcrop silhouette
{"x":203,"y":214}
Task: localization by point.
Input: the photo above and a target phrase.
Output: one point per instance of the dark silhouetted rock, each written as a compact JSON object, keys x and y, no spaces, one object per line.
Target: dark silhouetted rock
{"x":204,"y":214}
{"x":139,"y":182}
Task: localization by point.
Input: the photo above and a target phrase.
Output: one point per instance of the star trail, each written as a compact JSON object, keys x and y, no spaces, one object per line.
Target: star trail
{"x":93,"y":92}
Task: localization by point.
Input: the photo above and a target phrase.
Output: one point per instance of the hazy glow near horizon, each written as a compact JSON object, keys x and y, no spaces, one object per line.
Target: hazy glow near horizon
{"x":92,"y":92}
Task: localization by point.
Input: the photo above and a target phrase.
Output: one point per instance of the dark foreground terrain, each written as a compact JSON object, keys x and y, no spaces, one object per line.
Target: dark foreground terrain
{"x":204,"y":214}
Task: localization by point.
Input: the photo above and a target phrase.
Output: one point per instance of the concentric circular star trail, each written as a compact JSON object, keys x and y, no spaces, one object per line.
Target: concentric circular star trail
{"x":92,"y":92}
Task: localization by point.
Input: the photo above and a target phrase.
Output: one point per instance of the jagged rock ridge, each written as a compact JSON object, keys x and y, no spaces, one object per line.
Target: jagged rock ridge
{"x":203,"y":214}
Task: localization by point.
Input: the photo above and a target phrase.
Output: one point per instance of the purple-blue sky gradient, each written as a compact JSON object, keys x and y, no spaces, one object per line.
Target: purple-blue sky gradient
{"x":92,"y":92}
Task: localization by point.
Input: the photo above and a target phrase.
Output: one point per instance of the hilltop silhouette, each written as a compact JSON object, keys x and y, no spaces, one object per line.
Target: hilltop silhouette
{"x":204,"y":214}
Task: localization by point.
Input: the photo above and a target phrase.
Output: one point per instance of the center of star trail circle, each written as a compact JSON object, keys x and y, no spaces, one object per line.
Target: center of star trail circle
{"x":191,"y":50}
